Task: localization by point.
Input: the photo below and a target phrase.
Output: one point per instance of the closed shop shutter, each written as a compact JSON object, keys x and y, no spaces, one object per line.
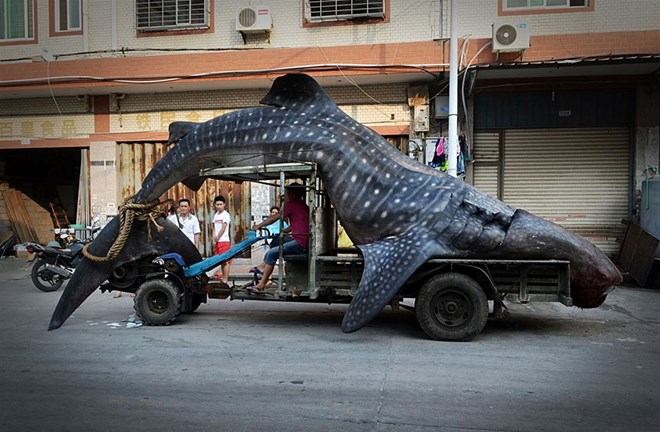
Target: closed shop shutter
{"x":577,"y":178}
{"x":135,"y":160}
{"x":486,"y":167}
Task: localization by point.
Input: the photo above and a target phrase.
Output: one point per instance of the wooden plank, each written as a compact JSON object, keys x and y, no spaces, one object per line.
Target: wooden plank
{"x":28,"y":216}
{"x":18,"y":216}
{"x":8,"y":198}
{"x":4,"y":236}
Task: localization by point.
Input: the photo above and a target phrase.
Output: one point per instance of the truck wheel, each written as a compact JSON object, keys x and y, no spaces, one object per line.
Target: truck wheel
{"x":451,"y":307}
{"x":45,"y":280}
{"x":158,"y":302}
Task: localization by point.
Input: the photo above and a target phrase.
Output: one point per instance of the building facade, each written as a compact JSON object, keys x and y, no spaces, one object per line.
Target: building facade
{"x":559,"y":98}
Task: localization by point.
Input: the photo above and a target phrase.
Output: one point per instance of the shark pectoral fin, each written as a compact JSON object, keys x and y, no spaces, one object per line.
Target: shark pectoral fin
{"x":388,"y":264}
{"x":194,"y":183}
{"x":179,"y":129}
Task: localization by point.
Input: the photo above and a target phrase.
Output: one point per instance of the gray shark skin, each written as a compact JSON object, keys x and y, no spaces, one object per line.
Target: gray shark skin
{"x":89,"y":275}
{"x":398,"y":211}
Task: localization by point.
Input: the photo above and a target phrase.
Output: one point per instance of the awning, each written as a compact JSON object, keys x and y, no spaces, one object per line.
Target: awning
{"x":606,"y":65}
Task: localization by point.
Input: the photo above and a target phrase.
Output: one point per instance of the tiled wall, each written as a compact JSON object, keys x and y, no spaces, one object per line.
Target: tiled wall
{"x":409,"y":20}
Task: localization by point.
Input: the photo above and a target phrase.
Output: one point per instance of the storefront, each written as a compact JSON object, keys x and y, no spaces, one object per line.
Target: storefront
{"x":563,"y":155}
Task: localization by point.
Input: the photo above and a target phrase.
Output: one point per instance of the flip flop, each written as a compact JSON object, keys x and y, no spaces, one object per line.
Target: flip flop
{"x":254,"y":289}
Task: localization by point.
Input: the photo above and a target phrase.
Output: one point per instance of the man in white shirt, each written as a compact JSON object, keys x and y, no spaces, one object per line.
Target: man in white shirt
{"x":221,"y":243}
{"x":188,"y":223}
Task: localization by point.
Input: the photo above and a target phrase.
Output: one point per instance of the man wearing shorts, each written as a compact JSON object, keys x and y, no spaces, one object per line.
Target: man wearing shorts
{"x":221,"y":242}
{"x":296,"y":213}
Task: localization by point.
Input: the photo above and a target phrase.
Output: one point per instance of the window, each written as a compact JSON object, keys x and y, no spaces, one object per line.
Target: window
{"x":67,"y":15}
{"x":543,"y":4}
{"x":16,"y":19}
{"x":159,"y":15}
{"x":342,"y":10}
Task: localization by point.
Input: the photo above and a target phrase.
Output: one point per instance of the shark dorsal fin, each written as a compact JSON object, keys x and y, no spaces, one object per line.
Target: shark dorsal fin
{"x":179,"y":129}
{"x":293,"y":90}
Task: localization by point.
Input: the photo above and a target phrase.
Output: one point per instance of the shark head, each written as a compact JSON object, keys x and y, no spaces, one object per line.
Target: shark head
{"x":144,"y":241}
{"x":593,"y":275}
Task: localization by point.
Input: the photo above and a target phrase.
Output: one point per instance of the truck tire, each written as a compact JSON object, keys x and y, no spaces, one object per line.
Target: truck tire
{"x":158,"y":302}
{"x":451,"y":307}
{"x":45,"y":280}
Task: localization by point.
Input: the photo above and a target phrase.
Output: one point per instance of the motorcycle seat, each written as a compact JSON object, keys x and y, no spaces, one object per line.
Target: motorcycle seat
{"x":59,"y":251}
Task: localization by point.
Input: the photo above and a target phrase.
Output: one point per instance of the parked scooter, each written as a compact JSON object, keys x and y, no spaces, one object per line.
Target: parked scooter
{"x":54,"y":265}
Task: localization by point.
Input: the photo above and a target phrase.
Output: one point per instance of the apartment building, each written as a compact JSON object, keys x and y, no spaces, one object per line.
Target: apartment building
{"x":559,"y":98}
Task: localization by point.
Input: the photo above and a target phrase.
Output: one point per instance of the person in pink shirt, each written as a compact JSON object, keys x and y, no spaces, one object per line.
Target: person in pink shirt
{"x":296,"y":213}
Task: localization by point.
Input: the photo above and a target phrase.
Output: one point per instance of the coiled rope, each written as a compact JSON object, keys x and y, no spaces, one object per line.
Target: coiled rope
{"x":128,"y":213}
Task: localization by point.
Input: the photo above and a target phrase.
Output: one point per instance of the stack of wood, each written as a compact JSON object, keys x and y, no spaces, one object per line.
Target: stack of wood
{"x":25,"y":218}
{"x":20,"y":219}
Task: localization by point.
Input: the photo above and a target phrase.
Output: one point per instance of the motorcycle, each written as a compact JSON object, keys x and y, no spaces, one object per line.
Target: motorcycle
{"x":54,"y":265}
{"x":63,"y":237}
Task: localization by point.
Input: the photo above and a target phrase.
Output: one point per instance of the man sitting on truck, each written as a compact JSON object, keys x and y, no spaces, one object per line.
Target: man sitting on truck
{"x":296,"y":214}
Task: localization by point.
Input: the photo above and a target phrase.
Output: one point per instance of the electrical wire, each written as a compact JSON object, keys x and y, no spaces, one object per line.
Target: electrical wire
{"x":51,"y":88}
{"x":246,"y":72}
{"x":466,"y":129}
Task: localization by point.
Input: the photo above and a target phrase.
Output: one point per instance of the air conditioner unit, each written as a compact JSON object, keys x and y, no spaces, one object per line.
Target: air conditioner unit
{"x":253,"y":19}
{"x":510,"y":36}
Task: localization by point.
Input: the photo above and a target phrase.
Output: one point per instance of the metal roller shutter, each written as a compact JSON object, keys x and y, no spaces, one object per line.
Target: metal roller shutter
{"x":486,"y":167}
{"x":577,"y":178}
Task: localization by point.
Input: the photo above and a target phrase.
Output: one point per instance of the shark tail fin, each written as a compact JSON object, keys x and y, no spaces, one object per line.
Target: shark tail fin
{"x":180,"y":129}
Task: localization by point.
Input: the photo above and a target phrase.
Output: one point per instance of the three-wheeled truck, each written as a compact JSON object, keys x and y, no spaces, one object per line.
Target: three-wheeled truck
{"x":453,"y":298}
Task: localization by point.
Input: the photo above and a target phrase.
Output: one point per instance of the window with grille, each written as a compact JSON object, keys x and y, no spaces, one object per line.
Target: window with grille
{"x":67,"y":15}
{"x":342,"y":10}
{"x":544,"y":4}
{"x":16,"y":19}
{"x":159,"y":15}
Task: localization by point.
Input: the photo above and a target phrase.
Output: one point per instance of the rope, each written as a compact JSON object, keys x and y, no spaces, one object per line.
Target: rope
{"x":128,"y":213}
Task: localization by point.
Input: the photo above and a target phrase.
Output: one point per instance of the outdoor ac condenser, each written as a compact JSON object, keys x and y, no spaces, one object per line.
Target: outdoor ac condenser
{"x":253,"y":19}
{"x":510,"y":36}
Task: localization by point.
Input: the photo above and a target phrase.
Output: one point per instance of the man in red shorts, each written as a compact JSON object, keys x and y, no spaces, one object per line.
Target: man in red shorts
{"x":221,"y":243}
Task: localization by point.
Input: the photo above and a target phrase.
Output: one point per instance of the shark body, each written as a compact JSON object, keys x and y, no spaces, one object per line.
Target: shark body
{"x":399,"y":212}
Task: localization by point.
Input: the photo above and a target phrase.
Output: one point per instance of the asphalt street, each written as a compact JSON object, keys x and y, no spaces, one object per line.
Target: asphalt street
{"x":271,"y":366}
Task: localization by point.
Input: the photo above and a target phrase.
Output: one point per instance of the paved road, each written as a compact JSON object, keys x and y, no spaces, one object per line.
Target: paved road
{"x":257,"y":366}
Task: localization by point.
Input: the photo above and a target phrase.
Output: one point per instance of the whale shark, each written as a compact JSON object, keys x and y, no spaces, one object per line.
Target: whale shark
{"x":398,"y":212}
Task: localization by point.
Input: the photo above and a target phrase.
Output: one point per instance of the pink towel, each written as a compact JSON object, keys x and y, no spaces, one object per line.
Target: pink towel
{"x":440,"y":149}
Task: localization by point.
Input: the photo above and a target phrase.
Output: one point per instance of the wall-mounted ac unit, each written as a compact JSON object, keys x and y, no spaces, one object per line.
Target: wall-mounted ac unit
{"x":510,"y":36}
{"x":253,"y":19}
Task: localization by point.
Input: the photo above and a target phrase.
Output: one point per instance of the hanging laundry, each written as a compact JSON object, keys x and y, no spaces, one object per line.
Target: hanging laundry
{"x":462,"y":143}
{"x":439,"y":154}
{"x":460,"y":164}
{"x":440,"y":148}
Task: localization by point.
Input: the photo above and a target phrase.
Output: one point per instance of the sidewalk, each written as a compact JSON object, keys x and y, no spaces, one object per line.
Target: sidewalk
{"x":12,"y":268}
